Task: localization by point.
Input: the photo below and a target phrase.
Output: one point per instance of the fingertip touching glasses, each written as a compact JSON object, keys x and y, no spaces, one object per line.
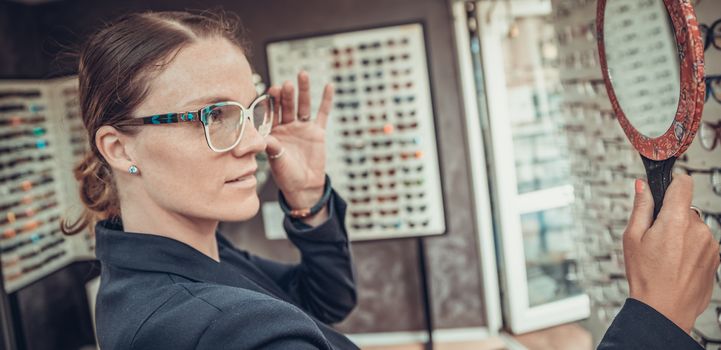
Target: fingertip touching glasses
{"x":223,"y":122}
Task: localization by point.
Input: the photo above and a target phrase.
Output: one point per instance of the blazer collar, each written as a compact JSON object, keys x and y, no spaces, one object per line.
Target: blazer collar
{"x":149,"y":252}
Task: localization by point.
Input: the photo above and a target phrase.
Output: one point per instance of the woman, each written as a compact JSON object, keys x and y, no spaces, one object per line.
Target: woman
{"x":169,"y":280}
{"x":175,"y":124}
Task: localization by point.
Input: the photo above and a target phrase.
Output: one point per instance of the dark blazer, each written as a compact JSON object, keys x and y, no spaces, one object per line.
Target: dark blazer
{"x":640,"y":327}
{"x":159,"y":293}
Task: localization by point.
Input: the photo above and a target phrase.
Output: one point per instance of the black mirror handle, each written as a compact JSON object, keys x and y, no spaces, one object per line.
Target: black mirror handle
{"x":659,"y":177}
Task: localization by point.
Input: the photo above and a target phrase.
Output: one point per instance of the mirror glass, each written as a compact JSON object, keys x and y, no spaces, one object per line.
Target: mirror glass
{"x":643,"y":63}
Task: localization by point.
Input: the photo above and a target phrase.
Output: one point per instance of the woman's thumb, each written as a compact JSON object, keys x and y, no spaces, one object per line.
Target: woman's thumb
{"x":642,"y":213}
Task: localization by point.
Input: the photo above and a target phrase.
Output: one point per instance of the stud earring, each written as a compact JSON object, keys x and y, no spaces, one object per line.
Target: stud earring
{"x":133,"y":170}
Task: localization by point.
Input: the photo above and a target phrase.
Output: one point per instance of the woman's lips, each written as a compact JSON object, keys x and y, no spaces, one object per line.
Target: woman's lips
{"x":244,"y":181}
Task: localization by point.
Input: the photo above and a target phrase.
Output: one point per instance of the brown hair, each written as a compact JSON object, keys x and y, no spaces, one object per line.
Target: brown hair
{"x":116,"y":65}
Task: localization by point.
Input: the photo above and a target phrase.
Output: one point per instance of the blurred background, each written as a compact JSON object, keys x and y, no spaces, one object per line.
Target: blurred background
{"x":488,"y":179}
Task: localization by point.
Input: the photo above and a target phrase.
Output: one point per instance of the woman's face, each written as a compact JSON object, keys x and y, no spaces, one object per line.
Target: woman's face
{"x":178,"y":170}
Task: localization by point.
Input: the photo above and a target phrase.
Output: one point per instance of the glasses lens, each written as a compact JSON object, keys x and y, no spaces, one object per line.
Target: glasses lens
{"x":707,"y":135}
{"x":715,"y":86}
{"x":224,"y":125}
{"x":262,"y":116}
{"x":716,"y":180}
{"x":716,"y":39}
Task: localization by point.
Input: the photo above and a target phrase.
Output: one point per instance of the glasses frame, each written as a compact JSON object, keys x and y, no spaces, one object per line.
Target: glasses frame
{"x":200,"y":115}
{"x":707,"y":32}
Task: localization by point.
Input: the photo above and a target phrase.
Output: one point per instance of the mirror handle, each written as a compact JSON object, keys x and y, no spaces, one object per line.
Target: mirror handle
{"x":659,"y":177}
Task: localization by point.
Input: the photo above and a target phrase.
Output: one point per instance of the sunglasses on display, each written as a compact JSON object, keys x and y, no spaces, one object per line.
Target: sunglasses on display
{"x":711,"y":35}
{"x":29,"y":226}
{"x":34,"y":238}
{"x":26,"y":200}
{"x":37,"y":131}
{"x":400,"y":99}
{"x":379,"y":102}
{"x":414,"y":224}
{"x":401,"y":72}
{"x":11,"y":217}
{"x":17,"y":120}
{"x":20,"y":174}
{"x":411,"y":196}
{"x":349,"y":105}
{"x":38,"y":144}
{"x":370,"y":75}
{"x":26,"y":159}
{"x":713,"y":87}
{"x":710,"y":135}
{"x":28,"y":185}
{"x":413,"y":209}
{"x":20,"y":94}
{"x":21,"y":108}
{"x":347,"y":78}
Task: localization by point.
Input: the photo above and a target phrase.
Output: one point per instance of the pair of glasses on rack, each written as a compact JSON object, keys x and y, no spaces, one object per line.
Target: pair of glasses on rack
{"x":710,"y":135}
{"x":711,"y":35}
{"x":4,"y":179}
{"x":380,"y":199}
{"x":713,"y":87}
{"x":21,"y":107}
{"x":38,"y":144}
{"x":36,"y":131}
{"x":28,"y":185}
{"x":18,"y":120}
{"x":31,"y":239}
{"x":12,"y":217}
{"x":26,"y":200}
{"x":20,"y":94}
{"x":24,"y":159}
{"x":29,"y":226}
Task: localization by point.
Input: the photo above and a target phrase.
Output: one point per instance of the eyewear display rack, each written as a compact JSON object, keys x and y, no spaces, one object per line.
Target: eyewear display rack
{"x":41,"y":139}
{"x":381,"y":141}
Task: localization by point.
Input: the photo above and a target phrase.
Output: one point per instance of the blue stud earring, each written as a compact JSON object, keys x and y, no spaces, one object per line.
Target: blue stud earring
{"x":133,"y":170}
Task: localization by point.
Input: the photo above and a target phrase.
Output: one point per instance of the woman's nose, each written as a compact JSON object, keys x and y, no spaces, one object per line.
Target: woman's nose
{"x":251,"y":142}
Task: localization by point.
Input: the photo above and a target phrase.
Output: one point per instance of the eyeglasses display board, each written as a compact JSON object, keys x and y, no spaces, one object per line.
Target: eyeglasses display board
{"x":381,"y":142}
{"x":41,"y":138}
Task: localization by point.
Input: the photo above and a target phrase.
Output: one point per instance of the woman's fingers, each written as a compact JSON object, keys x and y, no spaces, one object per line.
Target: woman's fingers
{"x":287,"y":103}
{"x":303,"y":96}
{"x":642,"y":213}
{"x":676,"y":207}
{"x":325,"y":106}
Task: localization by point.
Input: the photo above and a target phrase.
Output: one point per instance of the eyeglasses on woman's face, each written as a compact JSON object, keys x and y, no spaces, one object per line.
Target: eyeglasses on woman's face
{"x":223,"y":122}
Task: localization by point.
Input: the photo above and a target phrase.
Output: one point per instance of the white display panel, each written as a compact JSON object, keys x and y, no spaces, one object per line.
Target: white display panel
{"x":41,"y":138}
{"x":381,"y":143}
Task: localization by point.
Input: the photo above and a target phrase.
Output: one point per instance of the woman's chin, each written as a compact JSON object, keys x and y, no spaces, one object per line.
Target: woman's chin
{"x":242,"y":212}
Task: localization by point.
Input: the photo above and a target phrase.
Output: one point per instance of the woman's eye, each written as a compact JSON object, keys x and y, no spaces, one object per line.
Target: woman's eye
{"x":215,"y":115}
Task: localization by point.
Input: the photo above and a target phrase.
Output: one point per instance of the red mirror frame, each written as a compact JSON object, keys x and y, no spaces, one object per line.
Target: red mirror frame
{"x":693,"y":87}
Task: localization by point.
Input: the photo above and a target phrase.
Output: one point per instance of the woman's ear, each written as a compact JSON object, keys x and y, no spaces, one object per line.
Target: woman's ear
{"x":115,"y":147}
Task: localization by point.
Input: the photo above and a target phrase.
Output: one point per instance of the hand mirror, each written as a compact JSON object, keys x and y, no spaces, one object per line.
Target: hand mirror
{"x":651,"y":55}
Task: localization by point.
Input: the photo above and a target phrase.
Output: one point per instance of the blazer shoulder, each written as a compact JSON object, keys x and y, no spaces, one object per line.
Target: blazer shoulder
{"x":202,"y":315}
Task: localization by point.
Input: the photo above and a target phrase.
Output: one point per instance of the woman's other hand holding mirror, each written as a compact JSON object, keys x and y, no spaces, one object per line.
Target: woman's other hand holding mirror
{"x":670,"y":263}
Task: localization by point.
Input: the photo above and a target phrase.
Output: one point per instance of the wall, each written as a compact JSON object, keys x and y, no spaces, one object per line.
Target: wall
{"x":387,"y":271}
